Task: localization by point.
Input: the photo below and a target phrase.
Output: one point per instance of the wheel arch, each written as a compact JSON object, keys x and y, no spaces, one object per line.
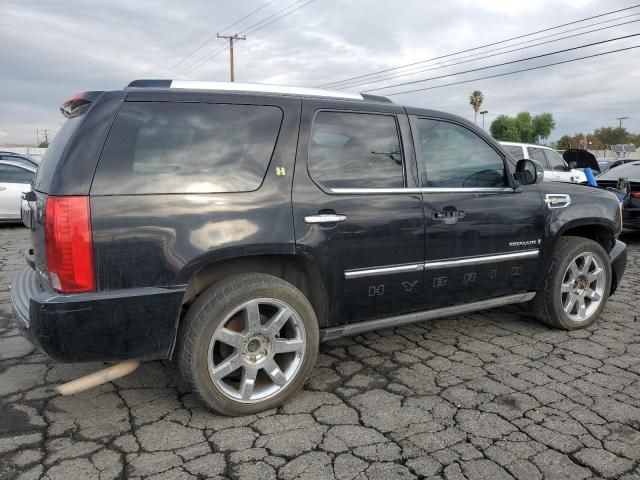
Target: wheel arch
{"x":295,"y":269}
{"x":597,"y":230}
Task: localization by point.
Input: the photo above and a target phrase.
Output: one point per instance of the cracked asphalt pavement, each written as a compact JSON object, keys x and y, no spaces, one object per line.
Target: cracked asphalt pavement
{"x":490,"y":395}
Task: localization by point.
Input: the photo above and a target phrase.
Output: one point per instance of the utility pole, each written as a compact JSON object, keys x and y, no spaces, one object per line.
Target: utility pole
{"x":483,"y":112}
{"x":46,"y":134}
{"x":620,"y":119}
{"x":231,"y":38}
{"x":37,"y":137}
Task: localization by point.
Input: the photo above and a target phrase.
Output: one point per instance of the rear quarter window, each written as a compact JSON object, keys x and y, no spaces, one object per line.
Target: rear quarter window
{"x":163,"y":147}
{"x":54,"y":152}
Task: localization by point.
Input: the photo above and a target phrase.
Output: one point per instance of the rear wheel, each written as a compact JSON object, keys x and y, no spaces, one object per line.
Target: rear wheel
{"x":248,"y":343}
{"x":576,"y":285}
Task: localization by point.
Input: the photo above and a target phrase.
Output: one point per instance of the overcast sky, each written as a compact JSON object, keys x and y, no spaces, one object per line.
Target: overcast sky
{"x":51,"y":49}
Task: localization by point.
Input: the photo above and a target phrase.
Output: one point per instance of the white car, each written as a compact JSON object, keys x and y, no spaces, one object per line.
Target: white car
{"x":15,"y":178}
{"x":555,"y":168}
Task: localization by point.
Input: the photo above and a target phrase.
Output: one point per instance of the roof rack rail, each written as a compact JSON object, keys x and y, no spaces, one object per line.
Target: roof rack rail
{"x":255,"y":88}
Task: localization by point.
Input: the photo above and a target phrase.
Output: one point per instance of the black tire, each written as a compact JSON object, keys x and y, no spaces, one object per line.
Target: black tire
{"x":211,"y":308}
{"x":547,"y":305}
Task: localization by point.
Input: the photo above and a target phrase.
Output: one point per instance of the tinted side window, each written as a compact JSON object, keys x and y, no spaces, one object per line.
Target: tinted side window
{"x":555,"y":161}
{"x":454,"y":157}
{"x":356,"y":150}
{"x":54,"y":152}
{"x":538,"y":154}
{"x":13,"y":174}
{"x":515,"y":151}
{"x":187,"y":148}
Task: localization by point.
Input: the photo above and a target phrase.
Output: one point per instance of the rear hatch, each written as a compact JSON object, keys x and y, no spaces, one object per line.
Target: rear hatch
{"x":34,"y":202}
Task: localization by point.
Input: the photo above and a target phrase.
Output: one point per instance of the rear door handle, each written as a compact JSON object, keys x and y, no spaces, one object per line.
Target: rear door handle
{"x":324,"y":218}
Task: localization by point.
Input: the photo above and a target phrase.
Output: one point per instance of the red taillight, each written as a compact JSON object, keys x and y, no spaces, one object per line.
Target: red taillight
{"x":635,"y":195}
{"x":69,"y":244}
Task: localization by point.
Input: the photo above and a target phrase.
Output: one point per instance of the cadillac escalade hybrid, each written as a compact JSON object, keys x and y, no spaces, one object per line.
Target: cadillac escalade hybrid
{"x":235,"y":226}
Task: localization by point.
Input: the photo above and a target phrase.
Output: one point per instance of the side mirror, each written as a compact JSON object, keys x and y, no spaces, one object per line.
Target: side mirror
{"x":529,"y":172}
{"x":572,"y":165}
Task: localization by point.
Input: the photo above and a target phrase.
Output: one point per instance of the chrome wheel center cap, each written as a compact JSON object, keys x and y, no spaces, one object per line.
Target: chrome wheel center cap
{"x":580,"y":285}
{"x":255,"y":348}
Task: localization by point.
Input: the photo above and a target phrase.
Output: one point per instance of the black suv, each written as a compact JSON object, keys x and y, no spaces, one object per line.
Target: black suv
{"x":234,"y":227}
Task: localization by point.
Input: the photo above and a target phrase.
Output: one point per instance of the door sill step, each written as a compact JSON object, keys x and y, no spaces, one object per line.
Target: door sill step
{"x":332,"y":333}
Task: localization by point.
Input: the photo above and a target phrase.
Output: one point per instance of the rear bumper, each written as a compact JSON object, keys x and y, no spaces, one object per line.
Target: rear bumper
{"x":618,"y":257}
{"x":101,"y":326}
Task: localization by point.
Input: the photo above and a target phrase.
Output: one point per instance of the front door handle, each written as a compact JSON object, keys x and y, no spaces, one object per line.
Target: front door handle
{"x":324,"y":218}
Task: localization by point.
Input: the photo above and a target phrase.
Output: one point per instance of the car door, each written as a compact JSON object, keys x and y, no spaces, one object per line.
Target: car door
{"x":357,"y":209}
{"x":561,"y":172}
{"x":483,"y":236}
{"x":14,"y":180}
{"x":538,"y":155}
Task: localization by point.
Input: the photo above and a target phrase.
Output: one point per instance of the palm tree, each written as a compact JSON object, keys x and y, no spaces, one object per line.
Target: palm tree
{"x":475,"y":99}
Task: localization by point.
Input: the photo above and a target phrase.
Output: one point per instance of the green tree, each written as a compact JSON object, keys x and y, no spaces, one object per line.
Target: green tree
{"x":43,"y":144}
{"x":524,"y":123}
{"x":475,"y":100}
{"x":612,"y":135}
{"x":523,"y":127}
{"x":564,"y":142}
{"x":543,"y":125}
{"x":504,"y":128}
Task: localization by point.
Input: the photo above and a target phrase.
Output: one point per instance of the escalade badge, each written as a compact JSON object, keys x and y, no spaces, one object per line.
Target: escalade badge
{"x":525,"y":243}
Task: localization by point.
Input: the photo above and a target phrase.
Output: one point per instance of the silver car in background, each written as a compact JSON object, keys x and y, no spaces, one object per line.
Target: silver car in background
{"x":15,"y":179}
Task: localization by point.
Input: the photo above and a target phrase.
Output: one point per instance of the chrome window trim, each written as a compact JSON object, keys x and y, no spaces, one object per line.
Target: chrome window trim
{"x":466,"y":189}
{"x":399,"y":320}
{"x":479,"y":260}
{"x":432,"y":265}
{"x":368,"y":272}
{"x":364,"y":191}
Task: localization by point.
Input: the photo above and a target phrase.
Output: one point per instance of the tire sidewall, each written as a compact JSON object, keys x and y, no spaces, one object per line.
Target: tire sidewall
{"x":233,"y":293}
{"x":584,"y":246}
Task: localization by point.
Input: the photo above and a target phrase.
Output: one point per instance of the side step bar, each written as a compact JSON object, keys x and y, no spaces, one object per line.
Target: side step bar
{"x":398,"y":320}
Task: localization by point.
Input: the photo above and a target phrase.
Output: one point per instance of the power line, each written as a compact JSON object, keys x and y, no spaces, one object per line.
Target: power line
{"x":249,"y":30}
{"x":278,"y":18}
{"x":247,"y":16}
{"x":481,"y":46}
{"x":208,"y":56}
{"x":513,"y":72}
{"x":480,"y":56}
{"x":504,"y":63}
{"x":214,"y":36}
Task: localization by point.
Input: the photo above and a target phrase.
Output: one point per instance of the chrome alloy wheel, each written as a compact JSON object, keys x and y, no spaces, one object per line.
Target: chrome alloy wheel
{"x":583,"y":286}
{"x":256,"y":351}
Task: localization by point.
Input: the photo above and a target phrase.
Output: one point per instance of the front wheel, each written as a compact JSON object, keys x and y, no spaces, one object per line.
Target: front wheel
{"x":247,"y":344}
{"x":576,"y":286}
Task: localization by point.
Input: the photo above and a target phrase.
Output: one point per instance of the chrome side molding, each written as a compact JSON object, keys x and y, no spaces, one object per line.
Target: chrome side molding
{"x":332,"y":333}
{"x":434,"y":264}
{"x":501,"y":257}
{"x":368,"y":272}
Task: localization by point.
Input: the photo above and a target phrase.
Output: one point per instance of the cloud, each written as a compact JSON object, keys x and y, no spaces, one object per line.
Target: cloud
{"x":53,"y":49}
